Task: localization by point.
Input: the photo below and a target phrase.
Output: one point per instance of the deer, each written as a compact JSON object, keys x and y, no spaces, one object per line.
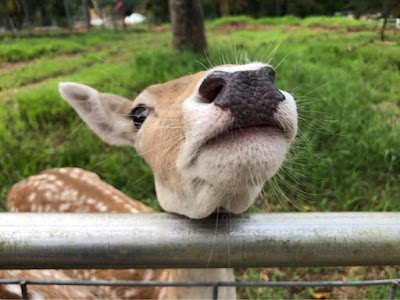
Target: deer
{"x":212,"y":140}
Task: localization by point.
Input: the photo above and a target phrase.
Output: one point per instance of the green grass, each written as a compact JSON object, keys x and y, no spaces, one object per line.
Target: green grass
{"x":231,"y":20}
{"x":49,"y":67}
{"x":287,"y":20}
{"x":347,"y":154}
{"x":21,"y":49}
{"x":338,"y":23}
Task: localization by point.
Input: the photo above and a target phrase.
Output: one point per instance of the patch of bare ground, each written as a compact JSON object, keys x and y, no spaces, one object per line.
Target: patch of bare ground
{"x":311,"y":28}
{"x":5,"y":67}
{"x":226,"y":29}
{"x":325,"y":274}
{"x":160,"y":29}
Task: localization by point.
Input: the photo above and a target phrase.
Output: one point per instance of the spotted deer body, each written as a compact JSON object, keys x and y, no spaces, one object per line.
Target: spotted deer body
{"x":212,"y":140}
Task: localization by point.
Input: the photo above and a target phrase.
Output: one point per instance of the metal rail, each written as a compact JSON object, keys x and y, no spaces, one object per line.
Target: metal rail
{"x":70,"y":241}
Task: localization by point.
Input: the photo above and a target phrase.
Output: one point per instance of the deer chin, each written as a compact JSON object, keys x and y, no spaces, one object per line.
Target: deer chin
{"x":207,"y":199}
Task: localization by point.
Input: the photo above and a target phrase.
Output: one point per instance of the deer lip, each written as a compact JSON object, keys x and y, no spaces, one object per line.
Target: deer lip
{"x":237,"y":133}
{"x":234,"y":135}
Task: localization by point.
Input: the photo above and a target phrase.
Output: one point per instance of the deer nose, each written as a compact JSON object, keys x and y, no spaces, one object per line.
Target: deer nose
{"x":250,"y":96}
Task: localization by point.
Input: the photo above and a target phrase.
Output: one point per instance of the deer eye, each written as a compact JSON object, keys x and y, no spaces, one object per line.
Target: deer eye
{"x":139,"y":115}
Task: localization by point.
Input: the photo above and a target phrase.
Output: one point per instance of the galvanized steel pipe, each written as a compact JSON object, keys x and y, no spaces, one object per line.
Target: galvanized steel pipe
{"x":167,"y":241}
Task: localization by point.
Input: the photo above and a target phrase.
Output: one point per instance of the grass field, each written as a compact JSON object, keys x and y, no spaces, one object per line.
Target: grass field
{"x":347,"y":154}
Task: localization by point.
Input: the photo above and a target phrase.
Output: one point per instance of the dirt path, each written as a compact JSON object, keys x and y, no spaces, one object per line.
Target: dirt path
{"x":5,"y":67}
{"x":226,"y":29}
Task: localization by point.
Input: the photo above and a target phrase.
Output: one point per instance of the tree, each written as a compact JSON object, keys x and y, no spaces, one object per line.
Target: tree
{"x":187,"y":25}
{"x":389,"y":7}
{"x":13,"y":13}
{"x":85,"y":6}
{"x":156,"y":11}
{"x":386,"y":8}
{"x":230,"y":7}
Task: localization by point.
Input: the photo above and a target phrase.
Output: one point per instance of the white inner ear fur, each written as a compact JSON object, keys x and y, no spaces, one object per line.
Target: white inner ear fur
{"x":106,"y":114}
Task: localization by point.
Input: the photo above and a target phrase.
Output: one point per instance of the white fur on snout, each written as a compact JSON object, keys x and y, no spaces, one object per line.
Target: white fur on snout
{"x":286,"y":115}
{"x":226,"y":174}
{"x":202,"y":121}
{"x":238,"y":68}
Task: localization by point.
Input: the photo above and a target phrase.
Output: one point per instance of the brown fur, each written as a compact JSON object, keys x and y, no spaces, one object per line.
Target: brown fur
{"x":167,"y":127}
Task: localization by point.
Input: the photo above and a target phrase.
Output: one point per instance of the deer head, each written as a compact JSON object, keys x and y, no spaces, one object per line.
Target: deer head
{"x":212,"y":139}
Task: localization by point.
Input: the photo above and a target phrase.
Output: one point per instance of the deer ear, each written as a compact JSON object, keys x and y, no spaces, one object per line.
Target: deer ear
{"x":106,"y":114}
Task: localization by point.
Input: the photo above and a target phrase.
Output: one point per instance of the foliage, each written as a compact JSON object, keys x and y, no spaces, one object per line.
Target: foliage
{"x":15,"y":11}
{"x":300,"y":8}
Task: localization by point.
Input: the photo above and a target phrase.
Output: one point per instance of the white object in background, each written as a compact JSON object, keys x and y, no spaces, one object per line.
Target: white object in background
{"x":97,"y":22}
{"x":134,"y":18}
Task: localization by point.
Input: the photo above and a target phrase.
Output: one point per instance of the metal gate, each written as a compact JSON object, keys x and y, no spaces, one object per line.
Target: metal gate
{"x":80,"y":241}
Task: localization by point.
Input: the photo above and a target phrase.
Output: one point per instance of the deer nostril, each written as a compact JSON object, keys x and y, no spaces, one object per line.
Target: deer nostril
{"x":271,"y":74}
{"x":211,"y":88}
{"x":275,"y":95}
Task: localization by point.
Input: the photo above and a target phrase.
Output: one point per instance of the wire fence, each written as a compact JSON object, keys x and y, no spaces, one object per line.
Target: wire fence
{"x":392,"y":284}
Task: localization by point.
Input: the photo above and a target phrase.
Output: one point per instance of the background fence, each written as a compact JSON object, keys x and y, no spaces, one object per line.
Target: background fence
{"x":80,"y":14}
{"x":70,"y":14}
{"x":66,"y":241}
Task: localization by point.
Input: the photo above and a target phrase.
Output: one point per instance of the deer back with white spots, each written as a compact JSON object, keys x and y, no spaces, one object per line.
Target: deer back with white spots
{"x":212,"y":140}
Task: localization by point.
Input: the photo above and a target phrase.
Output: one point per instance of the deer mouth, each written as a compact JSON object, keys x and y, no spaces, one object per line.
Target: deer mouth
{"x":245,"y":134}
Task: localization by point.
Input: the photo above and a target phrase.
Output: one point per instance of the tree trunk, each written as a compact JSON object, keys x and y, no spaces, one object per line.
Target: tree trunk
{"x":27,"y":21}
{"x":188,"y":25}
{"x":224,"y":7}
{"x":86,"y":13}
{"x":384,"y":23}
{"x":67,"y":14}
{"x":6,"y":15}
{"x":278,"y":8}
{"x":45,"y":15}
